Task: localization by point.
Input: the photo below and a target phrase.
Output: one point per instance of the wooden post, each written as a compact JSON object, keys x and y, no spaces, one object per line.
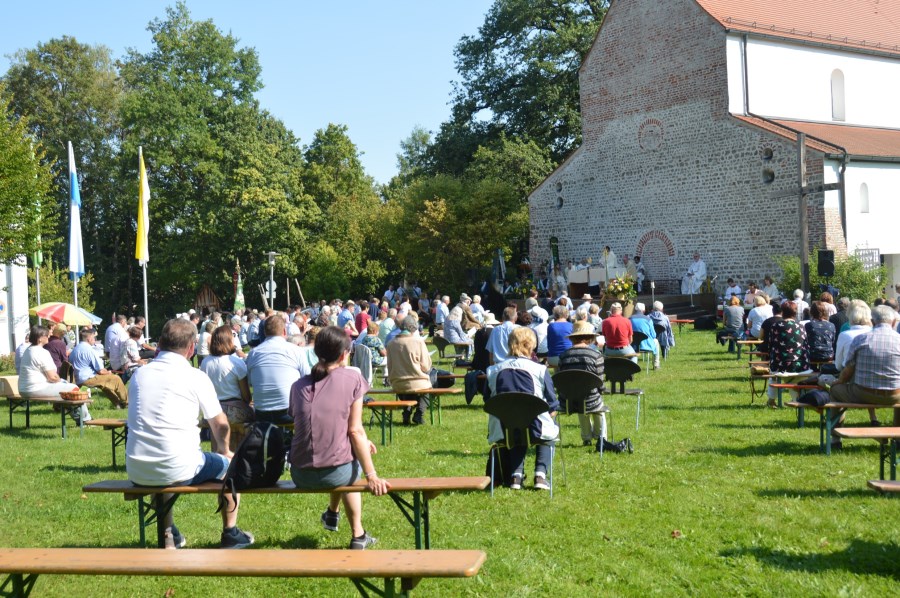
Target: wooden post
{"x":287,"y":293}
{"x":804,"y":224}
{"x":300,"y":292}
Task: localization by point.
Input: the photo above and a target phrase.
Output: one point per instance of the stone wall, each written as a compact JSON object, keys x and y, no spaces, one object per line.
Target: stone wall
{"x":664,"y":170}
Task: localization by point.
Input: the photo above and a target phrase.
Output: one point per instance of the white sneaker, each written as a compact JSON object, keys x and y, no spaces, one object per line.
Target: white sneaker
{"x":540,"y":482}
{"x":516,"y":483}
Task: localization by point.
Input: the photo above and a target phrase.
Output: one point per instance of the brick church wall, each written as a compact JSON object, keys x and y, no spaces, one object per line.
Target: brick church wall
{"x":663,"y":169}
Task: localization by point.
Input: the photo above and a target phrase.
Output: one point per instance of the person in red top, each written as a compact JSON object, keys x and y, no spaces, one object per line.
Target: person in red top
{"x":363,"y":318}
{"x":618,"y":333}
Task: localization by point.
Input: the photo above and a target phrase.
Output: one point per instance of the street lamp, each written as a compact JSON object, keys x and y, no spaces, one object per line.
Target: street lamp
{"x":271,"y":289}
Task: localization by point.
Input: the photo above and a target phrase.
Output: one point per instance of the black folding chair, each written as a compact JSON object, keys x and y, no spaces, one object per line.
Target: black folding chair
{"x":573,"y":387}
{"x":636,"y":339}
{"x":516,"y":411}
{"x":620,"y":370}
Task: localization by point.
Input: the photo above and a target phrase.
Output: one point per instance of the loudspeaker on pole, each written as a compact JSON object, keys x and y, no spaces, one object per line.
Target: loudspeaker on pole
{"x":826,"y":263}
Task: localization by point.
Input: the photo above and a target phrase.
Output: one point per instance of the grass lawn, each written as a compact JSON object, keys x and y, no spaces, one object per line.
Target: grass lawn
{"x":719,"y":497}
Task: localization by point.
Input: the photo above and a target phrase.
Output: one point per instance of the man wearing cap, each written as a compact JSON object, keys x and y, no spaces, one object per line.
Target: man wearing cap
{"x":618,"y":332}
{"x":585,"y":303}
{"x":584,"y":354}
{"x":468,"y":320}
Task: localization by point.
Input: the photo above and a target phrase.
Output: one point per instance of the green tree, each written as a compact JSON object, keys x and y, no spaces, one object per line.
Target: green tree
{"x":225,"y":176}
{"x":25,"y":185}
{"x":70,"y":91}
{"x":57,"y":286}
{"x":351,"y":208}
{"x":441,"y":227}
{"x":520,"y":164}
{"x":850,"y":277}
{"x":520,"y":75}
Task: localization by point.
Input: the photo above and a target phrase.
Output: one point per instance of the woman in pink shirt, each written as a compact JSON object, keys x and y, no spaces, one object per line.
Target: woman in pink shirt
{"x":330,"y":447}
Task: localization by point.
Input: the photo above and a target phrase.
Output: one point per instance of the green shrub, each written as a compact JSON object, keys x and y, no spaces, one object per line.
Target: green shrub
{"x":850,"y":277}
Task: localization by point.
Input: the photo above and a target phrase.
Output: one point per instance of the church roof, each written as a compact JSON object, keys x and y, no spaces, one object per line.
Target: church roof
{"x":872,"y":25}
{"x":860,"y":142}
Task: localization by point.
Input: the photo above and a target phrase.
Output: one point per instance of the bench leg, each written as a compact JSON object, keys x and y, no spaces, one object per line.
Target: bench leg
{"x":832,"y":417}
{"x":417,"y":516}
{"x":155,"y":509}
{"x":17,"y":585}
{"x":383,"y":414}
{"x":62,"y":415}
{"x":364,"y":586}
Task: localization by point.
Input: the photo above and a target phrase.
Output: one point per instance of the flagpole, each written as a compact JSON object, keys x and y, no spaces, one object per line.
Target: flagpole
{"x":146,"y":311}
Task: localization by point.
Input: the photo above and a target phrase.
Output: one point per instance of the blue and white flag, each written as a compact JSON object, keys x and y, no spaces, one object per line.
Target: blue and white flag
{"x":76,"y":251}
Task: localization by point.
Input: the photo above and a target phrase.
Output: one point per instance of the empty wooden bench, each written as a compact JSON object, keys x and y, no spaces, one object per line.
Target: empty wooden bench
{"x":434,"y":397}
{"x":118,"y":429}
{"x":23,"y":565}
{"x":383,"y":411}
{"x":829,"y":416}
{"x":749,"y":344}
{"x":154,"y":508}
{"x":887,"y":439}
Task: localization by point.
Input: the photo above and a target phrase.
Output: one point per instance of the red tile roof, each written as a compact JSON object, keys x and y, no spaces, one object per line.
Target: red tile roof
{"x":869,"y":24}
{"x":858,"y":141}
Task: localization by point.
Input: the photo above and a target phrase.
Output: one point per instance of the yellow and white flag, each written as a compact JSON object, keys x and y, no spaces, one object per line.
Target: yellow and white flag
{"x":141,"y":250}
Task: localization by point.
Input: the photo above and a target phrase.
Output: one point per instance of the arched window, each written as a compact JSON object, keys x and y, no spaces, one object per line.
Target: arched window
{"x":864,"y":199}
{"x":838,"y":106}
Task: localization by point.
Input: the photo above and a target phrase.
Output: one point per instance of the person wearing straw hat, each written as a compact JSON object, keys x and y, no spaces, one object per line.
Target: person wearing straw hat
{"x":585,"y":355}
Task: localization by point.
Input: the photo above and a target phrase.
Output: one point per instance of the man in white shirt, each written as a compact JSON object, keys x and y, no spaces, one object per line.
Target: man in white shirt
{"x":801,"y":305}
{"x":114,"y":340}
{"x":273,"y":368}
{"x":733,"y":289}
{"x":441,"y":311}
{"x":695,"y":276}
{"x":163,"y":446}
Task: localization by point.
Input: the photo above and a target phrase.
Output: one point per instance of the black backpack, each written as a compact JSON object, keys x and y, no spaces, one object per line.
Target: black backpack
{"x":258,"y":461}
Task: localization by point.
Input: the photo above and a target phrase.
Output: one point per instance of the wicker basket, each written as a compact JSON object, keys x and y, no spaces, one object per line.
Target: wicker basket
{"x":74,"y":395}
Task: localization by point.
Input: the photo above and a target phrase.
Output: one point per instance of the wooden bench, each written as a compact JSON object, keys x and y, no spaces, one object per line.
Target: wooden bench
{"x":680,"y":322}
{"x":885,"y":486}
{"x":434,"y":397}
{"x":24,"y":565}
{"x":153,"y":507}
{"x":9,"y":389}
{"x":747,"y":343}
{"x":829,"y":416}
{"x":782,"y":386}
{"x":383,"y":411}
{"x":887,"y":439}
{"x":118,"y":430}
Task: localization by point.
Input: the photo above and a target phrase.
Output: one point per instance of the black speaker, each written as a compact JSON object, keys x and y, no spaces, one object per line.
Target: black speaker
{"x":826,"y":263}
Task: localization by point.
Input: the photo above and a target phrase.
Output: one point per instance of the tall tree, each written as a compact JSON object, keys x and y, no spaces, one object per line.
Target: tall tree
{"x":520,"y":75}
{"x":225,"y":177}
{"x":335,"y":177}
{"x":69,"y":91}
{"x":520,"y":164}
{"x":25,"y":184}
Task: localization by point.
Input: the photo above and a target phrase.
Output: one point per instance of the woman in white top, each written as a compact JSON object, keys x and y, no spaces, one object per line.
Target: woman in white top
{"x":228,"y":373}
{"x":759,"y":314}
{"x":203,"y":343}
{"x":37,"y":372}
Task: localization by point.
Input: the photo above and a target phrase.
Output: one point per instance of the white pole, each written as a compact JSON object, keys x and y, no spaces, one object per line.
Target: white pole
{"x":75,"y":286}
{"x":146,"y":311}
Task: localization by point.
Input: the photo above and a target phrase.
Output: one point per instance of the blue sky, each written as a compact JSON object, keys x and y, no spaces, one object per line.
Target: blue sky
{"x":378,"y":67}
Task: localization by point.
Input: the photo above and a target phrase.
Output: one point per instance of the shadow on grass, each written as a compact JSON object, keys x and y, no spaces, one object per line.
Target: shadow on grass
{"x":83,"y":468}
{"x":743,"y":406}
{"x":765,"y":450}
{"x":860,"y":557}
{"x":775,"y":424}
{"x":458,"y":453}
{"x":22,"y":432}
{"x":792,"y":493}
{"x":305,"y":542}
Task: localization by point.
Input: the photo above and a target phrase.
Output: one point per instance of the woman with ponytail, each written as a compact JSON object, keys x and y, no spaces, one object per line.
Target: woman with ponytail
{"x":330,"y":447}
